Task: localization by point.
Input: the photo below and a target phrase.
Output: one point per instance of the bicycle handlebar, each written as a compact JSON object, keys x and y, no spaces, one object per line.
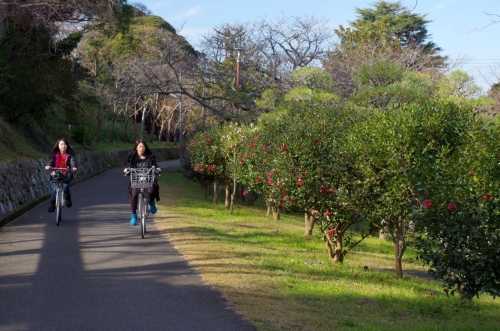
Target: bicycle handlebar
{"x":54,"y":168}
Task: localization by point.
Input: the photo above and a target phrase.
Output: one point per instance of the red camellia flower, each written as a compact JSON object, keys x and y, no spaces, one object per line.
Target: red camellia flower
{"x":331,"y":232}
{"x":258,"y":179}
{"x":248,"y":154}
{"x":283,"y":148}
{"x":244,"y":192}
{"x":333,"y":191}
{"x":486,"y":197}
{"x":318,"y":142}
{"x":328,"y":213}
{"x":252,"y":145}
{"x":293,"y":200}
{"x":192,"y":142}
{"x":242,"y":161}
{"x":300,"y":181}
{"x":280,"y":185}
{"x":197,"y":168}
{"x":324,"y":190}
{"x":285,"y":197}
{"x":282,"y":204}
{"x":209,"y":140}
{"x":270,"y":182}
{"x":451,"y":207}
{"x":428,"y":204}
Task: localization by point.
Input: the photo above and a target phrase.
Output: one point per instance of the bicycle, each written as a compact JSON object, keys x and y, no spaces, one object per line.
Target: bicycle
{"x":59,"y":175}
{"x":142,"y":178}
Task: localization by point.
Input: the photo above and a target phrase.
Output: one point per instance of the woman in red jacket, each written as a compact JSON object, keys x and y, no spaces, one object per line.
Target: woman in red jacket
{"x":61,"y":156}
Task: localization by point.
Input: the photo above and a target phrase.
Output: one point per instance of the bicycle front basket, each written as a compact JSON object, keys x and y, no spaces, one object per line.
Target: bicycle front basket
{"x":141,"y":178}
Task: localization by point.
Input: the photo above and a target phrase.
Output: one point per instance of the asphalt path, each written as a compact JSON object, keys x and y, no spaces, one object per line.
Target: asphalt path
{"x":95,"y":272}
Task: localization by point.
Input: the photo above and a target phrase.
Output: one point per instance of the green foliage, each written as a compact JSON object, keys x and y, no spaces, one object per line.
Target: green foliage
{"x":270,"y":99}
{"x":205,"y":155}
{"x":65,"y":46}
{"x":395,"y":150}
{"x":459,"y":87}
{"x":299,"y":161}
{"x":405,"y":25}
{"x":33,"y":79}
{"x":381,"y":73}
{"x":312,"y":78}
{"x":460,"y":219}
{"x":82,"y":134}
{"x":385,"y":86}
{"x":141,"y":23}
{"x":458,"y":84}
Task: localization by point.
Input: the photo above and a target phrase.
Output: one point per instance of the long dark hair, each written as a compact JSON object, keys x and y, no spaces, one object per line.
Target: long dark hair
{"x":147,"y":151}
{"x":56,"y":150}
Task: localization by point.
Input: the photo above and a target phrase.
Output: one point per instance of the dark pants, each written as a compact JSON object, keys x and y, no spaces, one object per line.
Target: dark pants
{"x":134,"y":193}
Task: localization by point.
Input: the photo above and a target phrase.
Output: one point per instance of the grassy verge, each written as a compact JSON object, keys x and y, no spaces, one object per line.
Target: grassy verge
{"x":281,"y":280}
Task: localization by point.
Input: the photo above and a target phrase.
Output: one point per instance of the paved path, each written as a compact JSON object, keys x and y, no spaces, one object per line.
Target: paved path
{"x":95,"y":272}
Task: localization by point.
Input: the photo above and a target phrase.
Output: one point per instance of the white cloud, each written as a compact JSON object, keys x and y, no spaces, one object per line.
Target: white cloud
{"x":193,"y":11}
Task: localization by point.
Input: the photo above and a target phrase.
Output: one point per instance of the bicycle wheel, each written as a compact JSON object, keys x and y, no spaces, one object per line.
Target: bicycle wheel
{"x":146,"y":212}
{"x":59,"y":202}
{"x":141,"y":213}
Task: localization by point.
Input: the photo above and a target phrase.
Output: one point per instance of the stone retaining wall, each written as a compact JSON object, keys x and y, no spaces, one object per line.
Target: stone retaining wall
{"x":24,"y":185}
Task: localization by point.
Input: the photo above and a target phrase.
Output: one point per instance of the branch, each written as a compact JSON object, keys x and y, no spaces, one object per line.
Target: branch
{"x":493,"y":22}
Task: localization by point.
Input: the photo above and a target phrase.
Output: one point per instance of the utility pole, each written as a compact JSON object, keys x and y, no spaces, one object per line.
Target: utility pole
{"x":135,"y":115}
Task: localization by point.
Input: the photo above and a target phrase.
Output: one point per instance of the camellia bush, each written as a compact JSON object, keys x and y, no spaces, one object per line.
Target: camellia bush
{"x":207,"y":164}
{"x":213,"y":154}
{"x":298,"y":159}
{"x":394,"y":152}
{"x":459,"y":221}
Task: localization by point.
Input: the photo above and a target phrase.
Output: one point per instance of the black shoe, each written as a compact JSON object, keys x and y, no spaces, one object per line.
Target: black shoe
{"x":52,"y":207}
{"x":69,"y":203}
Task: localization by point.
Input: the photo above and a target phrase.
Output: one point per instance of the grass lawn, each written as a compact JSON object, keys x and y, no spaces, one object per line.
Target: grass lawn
{"x":282,"y":280}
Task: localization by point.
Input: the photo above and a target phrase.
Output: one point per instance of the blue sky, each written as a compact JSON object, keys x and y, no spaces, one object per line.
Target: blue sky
{"x":459,"y":27}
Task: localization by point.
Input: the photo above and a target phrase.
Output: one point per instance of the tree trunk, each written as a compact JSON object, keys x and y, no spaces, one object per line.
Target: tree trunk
{"x":276,"y":215}
{"x":113,"y":121}
{"x":269,"y":209}
{"x":124,"y":136}
{"x":99,"y":118}
{"x":399,"y":247}
{"x":335,"y":250}
{"x":227,"y":200}
{"x":310,"y":218}
{"x":216,"y":190}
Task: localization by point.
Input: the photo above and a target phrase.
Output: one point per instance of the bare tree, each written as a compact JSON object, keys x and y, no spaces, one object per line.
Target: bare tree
{"x":272,"y":51}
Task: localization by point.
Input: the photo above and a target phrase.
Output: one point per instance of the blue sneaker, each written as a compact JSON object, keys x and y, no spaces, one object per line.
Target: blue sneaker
{"x":133,"y":220}
{"x":152,"y":207}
